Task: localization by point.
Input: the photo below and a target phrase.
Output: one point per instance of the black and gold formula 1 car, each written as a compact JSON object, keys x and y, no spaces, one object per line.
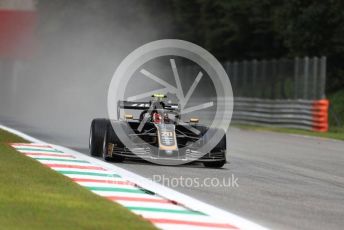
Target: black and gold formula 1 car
{"x":157,"y":134}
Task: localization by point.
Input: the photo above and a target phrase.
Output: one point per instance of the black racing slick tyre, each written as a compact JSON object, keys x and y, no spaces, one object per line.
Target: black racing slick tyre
{"x":215,"y":164}
{"x":97,"y":132}
{"x":219,"y":148}
{"x":222,"y":145}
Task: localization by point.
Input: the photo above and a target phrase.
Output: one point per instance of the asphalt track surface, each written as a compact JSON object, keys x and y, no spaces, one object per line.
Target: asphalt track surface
{"x":284,"y":181}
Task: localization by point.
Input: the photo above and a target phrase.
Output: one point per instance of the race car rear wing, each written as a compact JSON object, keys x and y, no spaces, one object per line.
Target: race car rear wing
{"x":133,"y":105}
{"x":144,"y":106}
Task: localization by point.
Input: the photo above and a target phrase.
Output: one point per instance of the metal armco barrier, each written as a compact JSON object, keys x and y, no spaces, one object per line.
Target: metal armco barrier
{"x":302,"y":114}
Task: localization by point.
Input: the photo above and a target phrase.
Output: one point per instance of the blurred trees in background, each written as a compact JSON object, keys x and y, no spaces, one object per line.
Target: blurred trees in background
{"x":230,"y":29}
{"x":264,"y":29}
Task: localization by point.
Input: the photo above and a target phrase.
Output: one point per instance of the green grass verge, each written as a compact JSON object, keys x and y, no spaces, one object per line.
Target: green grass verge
{"x":334,"y":133}
{"x":336,"y":117}
{"x":35,"y":197}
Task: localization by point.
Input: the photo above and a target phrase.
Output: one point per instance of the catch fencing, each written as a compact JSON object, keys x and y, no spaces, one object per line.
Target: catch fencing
{"x":298,"y":78}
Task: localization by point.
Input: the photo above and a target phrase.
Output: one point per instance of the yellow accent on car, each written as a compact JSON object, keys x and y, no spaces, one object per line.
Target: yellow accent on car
{"x":128,"y":116}
{"x":159,"y":95}
{"x":194,"y":120}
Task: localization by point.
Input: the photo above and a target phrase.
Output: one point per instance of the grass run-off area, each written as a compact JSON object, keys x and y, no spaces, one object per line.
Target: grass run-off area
{"x":334,"y":133}
{"x":33,"y":196}
{"x":336,"y":116}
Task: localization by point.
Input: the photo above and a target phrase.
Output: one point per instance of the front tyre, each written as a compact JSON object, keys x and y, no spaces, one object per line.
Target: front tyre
{"x":215,"y":164}
{"x":220,"y":148}
{"x":97,"y":132}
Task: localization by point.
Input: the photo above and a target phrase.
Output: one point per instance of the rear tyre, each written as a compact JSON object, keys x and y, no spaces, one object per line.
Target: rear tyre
{"x":97,"y":132}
